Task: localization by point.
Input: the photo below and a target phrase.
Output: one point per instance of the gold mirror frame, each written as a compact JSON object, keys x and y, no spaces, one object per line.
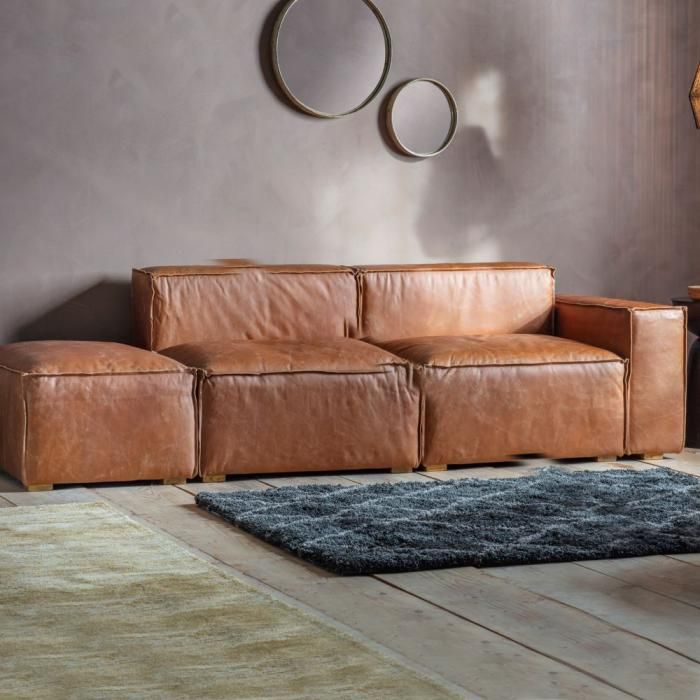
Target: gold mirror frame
{"x":287,"y":90}
{"x":390,"y":121}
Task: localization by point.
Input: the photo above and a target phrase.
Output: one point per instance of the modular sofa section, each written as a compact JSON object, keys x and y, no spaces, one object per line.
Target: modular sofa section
{"x":291,"y":406}
{"x":83,"y":412}
{"x":492,"y":398}
{"x":652,"y":337}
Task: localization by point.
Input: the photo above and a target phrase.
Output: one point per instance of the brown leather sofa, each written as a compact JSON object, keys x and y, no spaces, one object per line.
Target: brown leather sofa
{"x":307,"y":368}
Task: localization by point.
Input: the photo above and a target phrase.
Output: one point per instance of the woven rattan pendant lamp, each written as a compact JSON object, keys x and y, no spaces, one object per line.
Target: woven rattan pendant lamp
{"x":695,"y":97}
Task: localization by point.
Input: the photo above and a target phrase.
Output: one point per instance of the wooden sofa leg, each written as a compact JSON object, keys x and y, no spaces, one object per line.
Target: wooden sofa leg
{"x":171,"y":482}
{"x":434,"y":467}
{"x":213,"y":478}
{"x":648,"y":455}
{"x":40,"y":487}
{"x":606,"y":458}
{"x":401,"y":470}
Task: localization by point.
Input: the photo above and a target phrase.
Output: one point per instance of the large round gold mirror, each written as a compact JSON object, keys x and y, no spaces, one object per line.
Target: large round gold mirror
{"x":330,"y":57}
{"x":422,"y":117}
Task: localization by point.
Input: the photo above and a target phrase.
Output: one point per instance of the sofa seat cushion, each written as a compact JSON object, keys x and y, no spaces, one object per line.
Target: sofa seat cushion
{"x":497,"y":397}
{"x":292,"y":406}
{"x":507,"y":349}
{"x":336,"y":355}
{"x":79,"y":357}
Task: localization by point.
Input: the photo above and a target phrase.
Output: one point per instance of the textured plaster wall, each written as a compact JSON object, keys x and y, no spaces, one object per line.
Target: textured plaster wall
{"x":137,"y":132}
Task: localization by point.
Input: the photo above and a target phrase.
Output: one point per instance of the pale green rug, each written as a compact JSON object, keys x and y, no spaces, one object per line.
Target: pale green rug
{"x":96,"y":605}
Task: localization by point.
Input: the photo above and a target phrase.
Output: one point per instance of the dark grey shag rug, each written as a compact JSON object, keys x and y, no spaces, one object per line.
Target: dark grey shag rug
{"x":552,"y":516}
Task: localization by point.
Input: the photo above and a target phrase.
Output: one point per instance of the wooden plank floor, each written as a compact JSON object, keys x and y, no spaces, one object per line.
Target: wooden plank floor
{"x":603,"y":629}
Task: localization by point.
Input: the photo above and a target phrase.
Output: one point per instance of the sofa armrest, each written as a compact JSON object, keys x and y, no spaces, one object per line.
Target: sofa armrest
{"x":652,"y":337}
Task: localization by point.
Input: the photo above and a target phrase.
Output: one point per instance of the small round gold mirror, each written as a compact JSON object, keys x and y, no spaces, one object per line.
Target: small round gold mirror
{"x":330,"y":57}
{"x":421,"y":117}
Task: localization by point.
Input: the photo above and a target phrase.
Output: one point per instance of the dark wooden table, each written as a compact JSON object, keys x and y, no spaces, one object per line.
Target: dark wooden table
{"x":692,"y":436}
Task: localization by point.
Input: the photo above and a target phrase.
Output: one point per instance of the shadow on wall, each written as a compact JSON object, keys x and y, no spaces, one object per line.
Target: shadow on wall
{"x":468,"y":185}
{"x":467,"y":193}
{"x":101,"y":312}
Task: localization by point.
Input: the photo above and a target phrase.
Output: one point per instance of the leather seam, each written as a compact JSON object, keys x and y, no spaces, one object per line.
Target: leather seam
{"x":627,"y":405}
{"x":242,"y":270}
{"x":211,"y":375}
{"x":371,"y":270}
{"x":628,"y":412}
{"x":157,"y":296}
{"x":197,"y":396}
{"x":135,"y":373}
{"x":421,"y":417}
{"x":13,"y":370}
{"x":151,"y":310}
{"x":530,"y":364}
{"x":342,"y":271}
{"x":25,"y":440}
{"x":629,"y":308}
{"x":148,"y":333}
{"x":359,"y":306}
{"x":552,"y":313}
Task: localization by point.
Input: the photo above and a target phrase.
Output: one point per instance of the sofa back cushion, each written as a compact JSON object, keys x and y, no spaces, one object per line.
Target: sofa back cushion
{"x":175,"y":305}
{"x":408,"y":301}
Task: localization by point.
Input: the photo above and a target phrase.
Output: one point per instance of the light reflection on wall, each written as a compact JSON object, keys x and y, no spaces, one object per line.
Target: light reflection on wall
{"x":480,"y":245}
{"x":385,"y":227}
{"x":483,"y":106}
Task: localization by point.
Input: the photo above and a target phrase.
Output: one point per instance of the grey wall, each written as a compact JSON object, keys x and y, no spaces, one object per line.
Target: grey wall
{"x":137,"y":132}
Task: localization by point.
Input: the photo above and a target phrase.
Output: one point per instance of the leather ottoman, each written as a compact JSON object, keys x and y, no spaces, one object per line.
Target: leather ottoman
{"x":80,"y":412}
